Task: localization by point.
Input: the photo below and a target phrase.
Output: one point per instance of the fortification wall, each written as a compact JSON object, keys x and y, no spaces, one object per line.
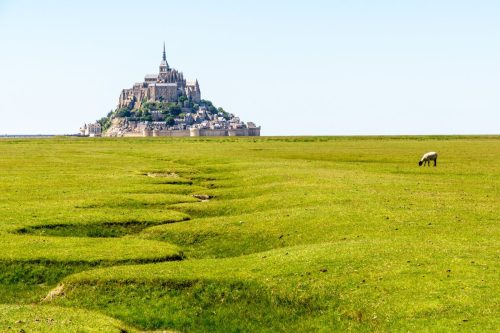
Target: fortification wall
{"x":195,"y":132}
{"x":254,"y":131}
{"x":213,"y":132}
{"x":171,"y":133}
{"x":238,"y":132}
{"x":244,"y":132}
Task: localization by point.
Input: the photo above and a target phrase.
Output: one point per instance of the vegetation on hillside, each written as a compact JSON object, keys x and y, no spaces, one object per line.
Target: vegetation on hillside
{"x":169,"y":111}
{"x":249,"y":234}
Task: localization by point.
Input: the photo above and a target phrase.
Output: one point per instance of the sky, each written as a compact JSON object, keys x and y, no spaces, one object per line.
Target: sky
{"x":316,"y":67}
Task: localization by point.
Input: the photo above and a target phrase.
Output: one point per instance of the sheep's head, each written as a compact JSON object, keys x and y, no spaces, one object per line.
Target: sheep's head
{"x":420,"y":163}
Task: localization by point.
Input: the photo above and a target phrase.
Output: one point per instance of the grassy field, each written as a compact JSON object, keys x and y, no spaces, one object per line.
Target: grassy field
{"x":307,"y":234}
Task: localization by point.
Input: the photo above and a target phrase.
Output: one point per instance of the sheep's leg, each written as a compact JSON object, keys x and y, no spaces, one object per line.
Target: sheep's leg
{"x":435,"y":162}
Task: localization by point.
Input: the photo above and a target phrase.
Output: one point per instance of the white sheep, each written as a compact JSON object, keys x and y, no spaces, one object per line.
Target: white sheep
{"x":428,"y":157}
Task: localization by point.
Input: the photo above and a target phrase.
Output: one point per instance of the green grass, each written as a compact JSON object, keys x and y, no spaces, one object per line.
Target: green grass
{"x":30,"y":318}
{"x":300,"y":234}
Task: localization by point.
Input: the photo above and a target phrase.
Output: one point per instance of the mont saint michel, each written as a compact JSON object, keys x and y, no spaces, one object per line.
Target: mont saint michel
{"x":166,"y":104}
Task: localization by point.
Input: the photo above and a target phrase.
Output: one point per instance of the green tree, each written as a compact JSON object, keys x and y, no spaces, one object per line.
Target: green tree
{"x":206,"y":103}
{"x":105,"y":123}
{"x":174,"y":110}
{"x":170,"y":121}
{"x":150,"y":106}
{"x":146,"y":117}
{"x":163,"y":107}
{"x":123,"y":112}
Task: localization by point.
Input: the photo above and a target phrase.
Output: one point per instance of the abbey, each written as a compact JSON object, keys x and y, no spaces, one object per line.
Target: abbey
{"x":166,"y":104}
{"x":166,"y":86}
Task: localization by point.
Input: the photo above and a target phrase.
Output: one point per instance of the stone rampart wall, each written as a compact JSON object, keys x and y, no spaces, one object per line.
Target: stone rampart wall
{"x":197,"y":132}
{"x":213,"y":132}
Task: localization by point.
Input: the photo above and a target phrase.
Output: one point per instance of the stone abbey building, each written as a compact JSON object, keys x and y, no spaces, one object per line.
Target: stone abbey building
{"x":166,"y":86}
{"x":166,"y":104}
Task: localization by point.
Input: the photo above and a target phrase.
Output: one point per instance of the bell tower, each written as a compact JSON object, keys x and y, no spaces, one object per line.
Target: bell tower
{"x":164,"y":67}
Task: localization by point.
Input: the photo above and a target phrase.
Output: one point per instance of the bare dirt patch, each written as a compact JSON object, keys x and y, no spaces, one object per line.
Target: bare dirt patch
{"x":166,"y":174}
{"x":56,"y":292}
{"x":203,"y":197}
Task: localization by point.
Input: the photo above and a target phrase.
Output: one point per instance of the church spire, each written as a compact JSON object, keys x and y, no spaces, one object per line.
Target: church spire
{"x":164,"y":64}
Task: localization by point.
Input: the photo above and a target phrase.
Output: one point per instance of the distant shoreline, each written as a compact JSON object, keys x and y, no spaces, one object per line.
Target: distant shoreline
{"x":366,"y":136}
{"x":34,"y":135}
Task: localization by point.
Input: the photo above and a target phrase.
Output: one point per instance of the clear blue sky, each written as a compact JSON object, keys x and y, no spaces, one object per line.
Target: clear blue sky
{"x":295,"y":67}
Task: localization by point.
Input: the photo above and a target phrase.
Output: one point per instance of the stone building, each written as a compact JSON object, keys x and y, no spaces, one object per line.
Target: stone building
{"x":166,"y":86}
{"x":92,"y":130}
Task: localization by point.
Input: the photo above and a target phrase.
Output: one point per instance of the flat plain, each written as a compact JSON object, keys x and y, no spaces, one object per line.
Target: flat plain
{"x":267,"y":234}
